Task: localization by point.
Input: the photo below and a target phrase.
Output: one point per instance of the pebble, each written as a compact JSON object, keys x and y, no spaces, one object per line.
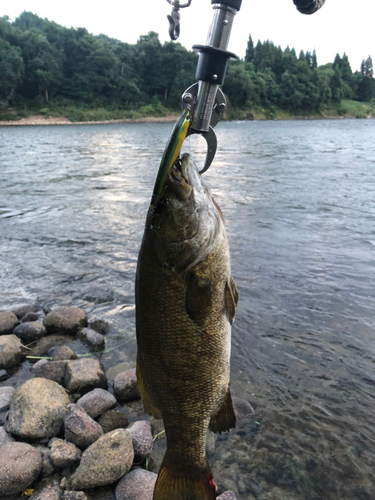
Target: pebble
{"x":22,"y":310}
{"x":47,"y":468}
{"x":37,"y":400}
{"x":75,"y":495}
{"x":125,"y":386}
{"x":64,"y":454}
{"x":8,"y":322}
{"x":20,"y":465}
{"x":51,"y":493}
{"x":6,"y":394}
{"x":138,"y":484}
{"x":228,"y":495}
{"x":62,"y":353}
{"x":3,"y":375}
{"x":100,"y":326}
{"x":52,"y":370}
{"x":83,"y":375}
{"x":94,"y":340}
{"x":81,"y":429}
{"x":29,"y":332}
{"x":113,"y":419}
{"x":11,"y":352}
{"x":96,"y":402}
{"x":65,"y":320}
{"x":5,"y":437}
{"x":104,"y":462}
{"x":30,"y":317}
{"x":141,"y":435}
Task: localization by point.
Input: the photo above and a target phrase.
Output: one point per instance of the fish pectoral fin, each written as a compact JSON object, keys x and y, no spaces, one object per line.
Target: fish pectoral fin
{"x":191,"y":484}
{"x":225,"y":418}
{"x":198,"y":299}
{"x":147,"y":400}
{"x":231,"y":299}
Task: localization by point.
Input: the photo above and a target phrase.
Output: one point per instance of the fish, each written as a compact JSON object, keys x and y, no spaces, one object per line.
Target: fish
{"x":186,"y":299}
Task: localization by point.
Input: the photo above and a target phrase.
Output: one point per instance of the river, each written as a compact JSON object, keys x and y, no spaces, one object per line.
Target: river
{"x":299,"y":203}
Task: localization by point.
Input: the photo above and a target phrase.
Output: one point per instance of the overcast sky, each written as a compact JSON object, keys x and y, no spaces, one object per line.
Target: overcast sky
{"x":340,"y":26}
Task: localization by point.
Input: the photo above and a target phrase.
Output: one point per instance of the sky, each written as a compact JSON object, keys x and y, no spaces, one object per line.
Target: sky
{"x":340,"y":26}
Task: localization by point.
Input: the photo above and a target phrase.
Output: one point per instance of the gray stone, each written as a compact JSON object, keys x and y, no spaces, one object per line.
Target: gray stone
{"x":96,"y":402}
{"x":113,"y":419}
{"x":81,"y":429}
{"x":30,"y":317}
{"x":64,"y":455}
{"x":37,"y":409}
{"x":125,"y":386}
{"x":5,"y":437}
{"x":104,"y":462}
{"x":20,"y":465}
{"x":228,"y":495}
{"x":48,"y":493}
{"x":94,"y":340}
{"x":139,"y":484}
{"x":8,"y":322}
{"x":50,"y":341}
{"x":83,"y":375}
{"x":100,"y":326}
{"x":29,"y":332}
{"x":47,"y":468}
{"x":62,"y":353}
{"x":141,"y":435}
{"x":11,"y":352}
{"x":52,"y":370}
{"x":75,"y":495}
{"x":3,"y":375}
{"x":22,"y":310}
{"x":66,"y":320}
{"x":6,"y":393}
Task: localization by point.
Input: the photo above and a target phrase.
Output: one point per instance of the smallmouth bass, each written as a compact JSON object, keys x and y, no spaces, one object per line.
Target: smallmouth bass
{"x":185,"y":304}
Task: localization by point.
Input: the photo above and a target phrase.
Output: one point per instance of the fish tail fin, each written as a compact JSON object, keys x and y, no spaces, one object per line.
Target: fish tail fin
{"x":194,"y":484}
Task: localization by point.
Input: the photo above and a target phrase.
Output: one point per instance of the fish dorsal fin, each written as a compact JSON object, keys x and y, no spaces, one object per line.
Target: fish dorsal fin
{"x":147,"y":400}
{"x":231,"y":299}
{"x":225,"y":418}
{"x":198,"y":298}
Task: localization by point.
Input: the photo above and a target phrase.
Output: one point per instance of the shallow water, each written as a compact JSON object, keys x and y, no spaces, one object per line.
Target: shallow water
{"x":298,"y":197}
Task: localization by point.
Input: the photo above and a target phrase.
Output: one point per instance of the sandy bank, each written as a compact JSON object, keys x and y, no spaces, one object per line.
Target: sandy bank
{"x":43,"y":120}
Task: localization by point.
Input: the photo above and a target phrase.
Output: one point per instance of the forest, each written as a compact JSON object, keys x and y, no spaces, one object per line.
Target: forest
{"x":50,"y":69}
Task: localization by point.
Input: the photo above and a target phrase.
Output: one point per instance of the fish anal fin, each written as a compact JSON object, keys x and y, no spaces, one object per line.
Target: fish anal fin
{"x":198,"y":299}
{"x":147,"y":400}
{"x":231,"y":299}
{"x":192,"y":484}
{"x":225,"y":418}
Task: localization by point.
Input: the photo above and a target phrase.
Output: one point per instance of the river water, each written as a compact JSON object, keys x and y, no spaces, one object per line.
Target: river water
{"x":299,"y":202}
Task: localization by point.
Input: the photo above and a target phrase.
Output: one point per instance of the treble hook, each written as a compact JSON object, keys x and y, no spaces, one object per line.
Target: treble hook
{"x":174,"y":18}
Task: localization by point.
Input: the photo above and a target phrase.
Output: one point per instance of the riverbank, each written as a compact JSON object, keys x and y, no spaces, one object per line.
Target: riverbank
{"x":54,"y":120}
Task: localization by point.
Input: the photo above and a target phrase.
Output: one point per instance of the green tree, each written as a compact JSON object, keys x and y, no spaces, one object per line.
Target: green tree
{"x":11,"y":70}
{"x":250,"y":50}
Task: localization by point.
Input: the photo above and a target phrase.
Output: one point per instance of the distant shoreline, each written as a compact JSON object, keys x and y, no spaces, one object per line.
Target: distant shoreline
{"x":42,"y":120}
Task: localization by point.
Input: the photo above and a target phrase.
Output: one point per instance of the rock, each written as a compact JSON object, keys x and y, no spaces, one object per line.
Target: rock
{"x":47,"y":468}
{"x":10,"y":351}
{"x":100,"y":326}
{"x":6,"y":394}
{"x":22,"y":310}
{"x":49,"y":493}
{"x":111,"y":420}
{"x":30,"y":317}
{"x":64,"y":455}
{"x":37,"y":409}
{"x":50,"y":341}
{"x":52,"y":370}
{"x":75,"y":495}
{"x":228,"y":495}
{"x":62,"y":353}
{"x":20,"y":465}
{"x":139,"y":484}
{"x":81,"y":429}
{"x":92,"y":339}
{"x":104,"y":462}
{"x":210,"y":443}
{"x":141,"y":435}
{"x":8,"y":322}
{"x":244,"y":412}
{"x":4,"y":437}
{"x":125,"y":386}
{"x":96,"y":402}
{"x":3,"y":375}
{"x":83,"y":375}
{"x":67,"y":320}
{"x":29,"y":332}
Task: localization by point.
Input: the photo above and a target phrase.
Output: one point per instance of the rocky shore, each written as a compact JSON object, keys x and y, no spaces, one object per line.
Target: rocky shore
{"x":65,"y":434}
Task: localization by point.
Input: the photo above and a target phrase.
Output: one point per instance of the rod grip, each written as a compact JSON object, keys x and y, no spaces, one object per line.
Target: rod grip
{"x":235,"y":4}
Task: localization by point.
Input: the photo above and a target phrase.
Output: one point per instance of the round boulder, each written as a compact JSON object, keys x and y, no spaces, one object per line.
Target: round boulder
{"x":29,"y":317}
{"x":141,"y":435}
{"x":8,"y":322}
{"x":29,"y":332}
{"x":81,"y":429}
{"x":10,"y":351}
{"x":96,"y":402}
{"x":37,"y":409}
{"x":62,"y":353}
{"x":125,"y":386}
{"x":20,"y":465}
{"x":21,"y":311}
{"x":139,"y":484}
{"x":66,"y":320}
{"x":113,"y":419}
